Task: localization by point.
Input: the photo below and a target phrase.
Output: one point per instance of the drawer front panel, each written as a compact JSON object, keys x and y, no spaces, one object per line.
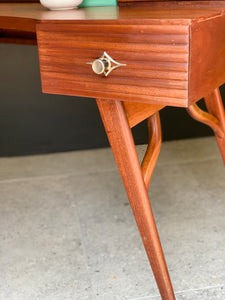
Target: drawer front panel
{"x":156,"y":58}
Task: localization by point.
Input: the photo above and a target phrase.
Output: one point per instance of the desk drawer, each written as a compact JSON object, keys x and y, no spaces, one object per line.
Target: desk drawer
{"x":156,"y":58}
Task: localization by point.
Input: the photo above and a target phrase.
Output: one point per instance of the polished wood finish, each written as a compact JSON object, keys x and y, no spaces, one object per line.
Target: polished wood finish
{"x":162,"y":58}
{"x":170,"y":3}
{"x":161,"y":45}
{"x":16,"y":30}
{"x":175,"y":11}
{"x":156,"y":61}
{"x":174,"y":55}
{"x":153,"y":149}
{"x":207,"y":63}
{"x":132,"y":1}
{"x":214,"y":118}
{"x":18,"y":37}
{"x":199,"y":115}
{"x":137,"y":112}
{"x":18,"y":1}
{"x":215,"y":107}
{"x":123,"y":147}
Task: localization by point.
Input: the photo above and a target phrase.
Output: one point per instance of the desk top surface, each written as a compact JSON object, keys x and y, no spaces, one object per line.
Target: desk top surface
{"x":183,"y":11}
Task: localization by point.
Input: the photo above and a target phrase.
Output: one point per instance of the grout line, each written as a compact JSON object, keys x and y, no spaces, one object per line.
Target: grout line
{"x":201,"y":289}
{"x":113,"y":168}
{"x":144,"y":298}
{"x":188,"y":161}
{"x":178,"y":292}
{"x":56,"y":176}
{"x":181,"y":292}
{"x":159,"y":164}
{"x":32,"y":178}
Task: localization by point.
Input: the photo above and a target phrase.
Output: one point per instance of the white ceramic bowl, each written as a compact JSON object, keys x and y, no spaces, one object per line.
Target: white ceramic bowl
{"x":60,"y":4}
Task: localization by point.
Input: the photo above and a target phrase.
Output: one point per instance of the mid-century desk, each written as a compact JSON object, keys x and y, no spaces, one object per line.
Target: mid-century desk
{"x":134,"y":60}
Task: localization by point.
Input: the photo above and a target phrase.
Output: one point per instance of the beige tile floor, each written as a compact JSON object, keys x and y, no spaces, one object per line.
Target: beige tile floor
{"x":67,"y":231}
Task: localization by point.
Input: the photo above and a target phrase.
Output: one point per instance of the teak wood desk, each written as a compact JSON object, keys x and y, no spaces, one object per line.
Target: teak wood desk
{"x":134,"y":61}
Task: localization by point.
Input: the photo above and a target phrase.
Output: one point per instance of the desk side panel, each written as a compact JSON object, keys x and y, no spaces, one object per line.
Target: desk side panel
{"x":156,"y":58}
{"x":207,"y":56}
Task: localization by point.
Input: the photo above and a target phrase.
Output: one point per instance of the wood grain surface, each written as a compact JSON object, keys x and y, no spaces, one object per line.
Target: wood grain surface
{"x":145,"y":3}
{"x":174,"y":55}
{"x":19,"y":1}
{"x":156,"y":61}
{"x":174,"y":11}
{"x":166,"y":62}
{"x":123,"y":147}
{"x":215,"y":107}
{"x":137,"y":112}
{"x":153,"y":149}
{"x":207,"y":56}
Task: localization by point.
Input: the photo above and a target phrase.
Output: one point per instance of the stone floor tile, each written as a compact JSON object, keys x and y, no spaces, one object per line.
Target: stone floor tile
{"x":57,"y":164}
{"x":216,"y":293}
{"x":41,"y":255}
{"x":192,"y":233}
{"x":116,"y":259}
{"x":98,"y":160}
{"x":74,"y":237}
{"x":190,"y":215}
{"x":196,"y":149}
{"x":180,"y":151}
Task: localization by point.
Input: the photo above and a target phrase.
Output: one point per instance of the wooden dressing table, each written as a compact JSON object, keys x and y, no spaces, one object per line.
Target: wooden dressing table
{"x":134,"y":59}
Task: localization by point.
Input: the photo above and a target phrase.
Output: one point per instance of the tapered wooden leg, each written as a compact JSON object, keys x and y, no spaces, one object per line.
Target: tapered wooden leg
{"x":215,"y":107}
{"x":123,"y":147}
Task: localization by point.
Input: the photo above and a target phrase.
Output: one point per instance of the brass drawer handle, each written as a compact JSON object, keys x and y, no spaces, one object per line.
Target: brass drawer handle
{"x":104,"y":64}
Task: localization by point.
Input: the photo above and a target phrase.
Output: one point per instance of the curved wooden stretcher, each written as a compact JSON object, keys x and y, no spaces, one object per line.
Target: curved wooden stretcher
{"x":164,"y":61}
